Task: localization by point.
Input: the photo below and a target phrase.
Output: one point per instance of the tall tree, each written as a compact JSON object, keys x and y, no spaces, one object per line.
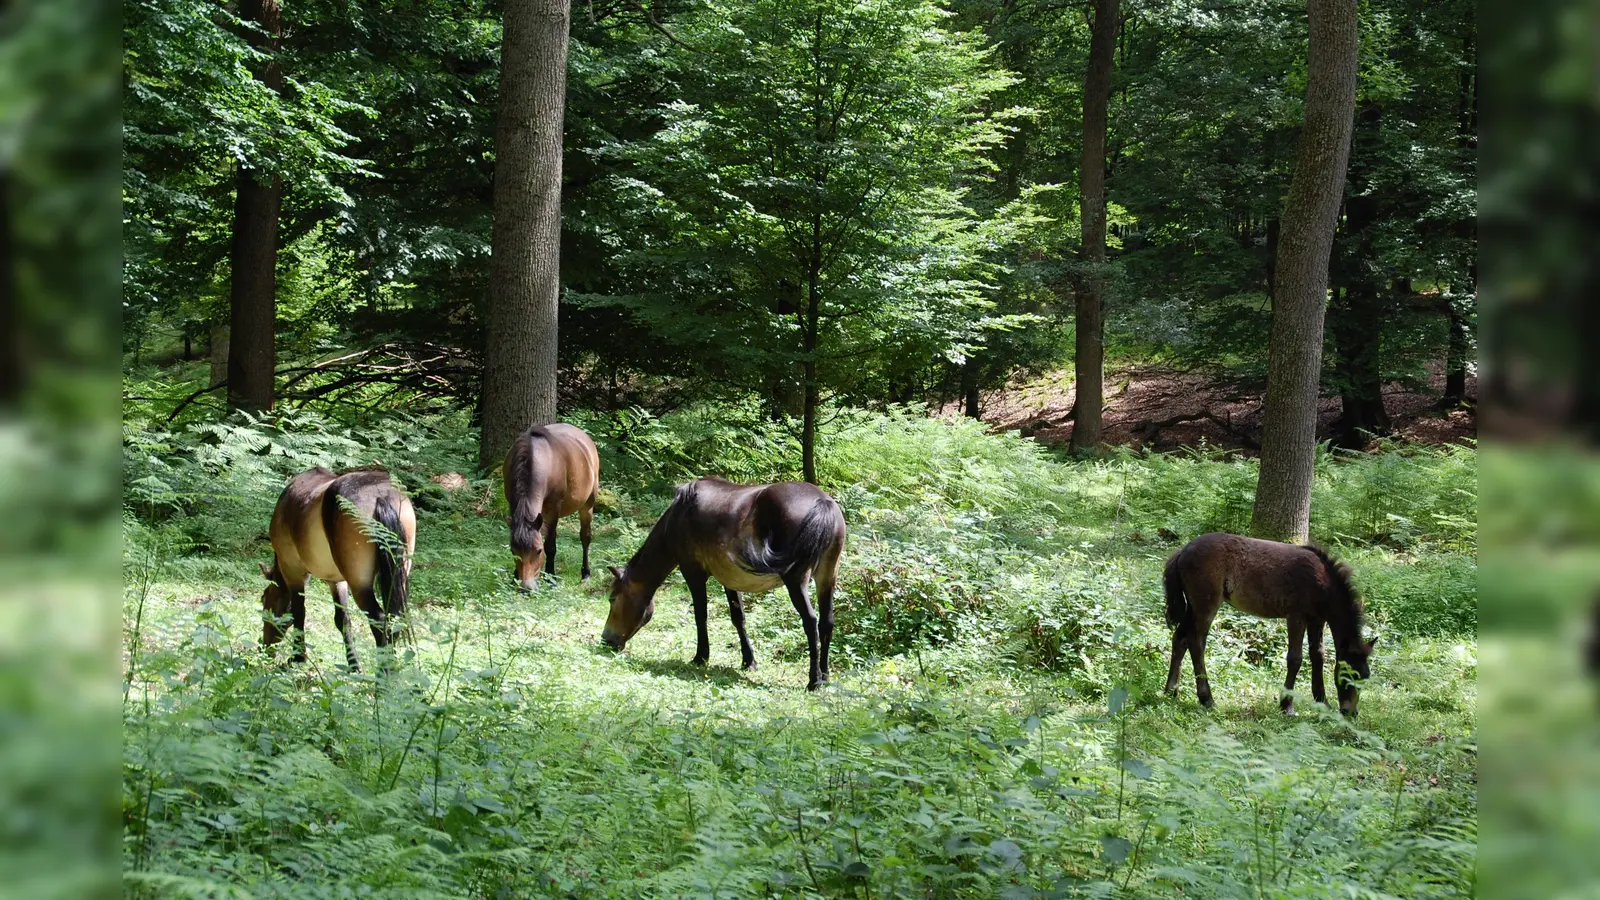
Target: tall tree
{"x":519,"y":366}
{"x":1310,"y":217}
{"x":258,"y":195}
{"x":1089,"y":361}
{"x":800,"y":236}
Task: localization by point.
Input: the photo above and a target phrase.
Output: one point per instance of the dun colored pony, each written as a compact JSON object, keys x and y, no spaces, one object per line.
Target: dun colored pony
{"x":551,"y":471}
{"x":314,"y":533}
{"x":1304,"y":585}
{"x":750,"y":538}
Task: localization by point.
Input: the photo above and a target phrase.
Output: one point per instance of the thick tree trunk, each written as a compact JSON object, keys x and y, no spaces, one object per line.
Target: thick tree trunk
{"x":252,"y":293}
{"x":1294,"y":364}
{"x":519,"y":367}
{"x":1089,"y":363}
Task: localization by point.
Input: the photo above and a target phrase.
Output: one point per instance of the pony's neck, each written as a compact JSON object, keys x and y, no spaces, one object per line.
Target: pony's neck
{"x":657,"y":557}
{"x":1344,"y":621}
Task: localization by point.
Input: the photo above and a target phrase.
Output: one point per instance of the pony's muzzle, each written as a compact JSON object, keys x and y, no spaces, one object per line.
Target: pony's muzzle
{"x":1348,"y":705}
{"x":610,"y":639}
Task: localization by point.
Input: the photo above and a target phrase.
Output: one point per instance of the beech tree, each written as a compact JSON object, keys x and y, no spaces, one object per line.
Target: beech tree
{"x":1310,"y":217}
{"x":519,"y":361}
{"x":1089,"y":361}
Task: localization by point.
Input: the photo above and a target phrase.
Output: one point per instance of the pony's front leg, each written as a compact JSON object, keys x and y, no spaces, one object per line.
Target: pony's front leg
{"x":796,"y":583}
{"x":297,"y":609}
{"x":1297,"y":635}
{"x":702,"y":640}
{"x":1314,"y":629}
{"x":585,"y":530}
{"x":550,"y":548}
{"x":341,"y":621}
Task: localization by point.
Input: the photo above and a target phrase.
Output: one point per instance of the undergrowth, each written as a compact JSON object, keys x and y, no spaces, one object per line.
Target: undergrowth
{"x":995,"y":727}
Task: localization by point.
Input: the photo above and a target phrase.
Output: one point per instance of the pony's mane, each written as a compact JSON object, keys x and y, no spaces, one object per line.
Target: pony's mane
{"x":519,"y":472}
{"x":1350,"y":606}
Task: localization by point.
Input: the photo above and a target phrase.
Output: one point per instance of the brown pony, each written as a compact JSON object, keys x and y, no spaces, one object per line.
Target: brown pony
{"x":1304,"y":585}
{"x":314,"y":533}
{"x":750,"y":538}
{"x":551,"y":471}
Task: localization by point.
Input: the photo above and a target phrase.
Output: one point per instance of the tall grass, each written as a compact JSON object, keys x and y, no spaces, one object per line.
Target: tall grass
{"x":995,"y":729}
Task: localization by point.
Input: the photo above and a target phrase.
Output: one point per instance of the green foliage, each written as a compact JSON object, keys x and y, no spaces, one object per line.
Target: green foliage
{"x":994,"y":729}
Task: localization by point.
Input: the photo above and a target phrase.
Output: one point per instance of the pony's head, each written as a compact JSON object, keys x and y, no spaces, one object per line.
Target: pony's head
{"x":632,"y":606}
{"x":274,"y":602}
{"x":1352,"y":668}
{"x":527,"y":545}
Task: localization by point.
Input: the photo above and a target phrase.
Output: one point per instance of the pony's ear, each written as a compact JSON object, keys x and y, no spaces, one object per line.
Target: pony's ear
{"x":1371,"y":642}
{"x":616,"y":572}
{"x":265,"y":572}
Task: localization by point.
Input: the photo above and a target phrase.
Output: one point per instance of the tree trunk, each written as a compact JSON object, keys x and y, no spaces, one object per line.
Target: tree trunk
{"x":1358,"y":323}
{"x":1090,"y":343}
{"x":11,"y":368}
{"x":1311,"y":211}
{"x":810,"y":329}
{"x":218,"y":348}
{"x":519,"y":366}
{"x":252,"y":292}
{"x":969,"y":386}
{"x":1455,"y":366}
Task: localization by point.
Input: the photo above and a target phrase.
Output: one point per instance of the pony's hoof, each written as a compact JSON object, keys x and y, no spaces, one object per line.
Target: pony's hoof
{"x":698,"y":661}
{"x":749,"y":665}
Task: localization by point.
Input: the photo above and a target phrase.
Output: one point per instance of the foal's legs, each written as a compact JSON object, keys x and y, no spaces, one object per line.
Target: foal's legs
{"x":1180,"y":645}
{"x":585,"y":519}
{"x":747,"y":653}
{"x":341,"y":621}
{"x":1314,"y":628}
{"x":1297,"y":635}
{"x":796,"y":582}
{"x":825,"y":577}
{"x":697,"y":590}
{"x":1200,"y":619}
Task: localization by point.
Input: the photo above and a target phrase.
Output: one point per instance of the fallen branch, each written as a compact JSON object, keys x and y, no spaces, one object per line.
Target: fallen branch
{"x":1150,"y":429}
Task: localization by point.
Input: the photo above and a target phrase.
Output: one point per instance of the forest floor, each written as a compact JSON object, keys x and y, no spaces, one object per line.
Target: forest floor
{"x":995,"y":726}
{"x":1160,"y":408}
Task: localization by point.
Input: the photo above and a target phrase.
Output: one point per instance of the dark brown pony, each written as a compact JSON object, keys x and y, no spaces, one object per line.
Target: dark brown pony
{"x":1272,"y":580}
{"x":551,"y":471}
{"x":321,"y":528}
{"x":749,"y":538}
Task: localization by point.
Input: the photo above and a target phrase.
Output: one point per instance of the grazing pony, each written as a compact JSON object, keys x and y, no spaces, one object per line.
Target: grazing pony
{"x":328,"y":526}
{"x":1272,"y":580}
{"x":748,"y":537}
{"x":551,"y":471}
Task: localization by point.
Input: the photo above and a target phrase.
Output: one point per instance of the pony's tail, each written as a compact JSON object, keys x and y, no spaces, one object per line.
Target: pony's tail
{"x":1177,"y":603}
{"x":394,"y":582}
{"x":819,"y":533}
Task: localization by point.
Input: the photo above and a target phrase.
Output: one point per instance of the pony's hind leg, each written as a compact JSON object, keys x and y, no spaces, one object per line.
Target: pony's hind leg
{"x":585,"y":530}
{"x":1297,"y":635}
{"x":1180,"y":646}
{"x":796,"y":582}
{"x":1201,"y":623}
{"x":747,"y":653}
{"x":341,"y":620}
{"x":825,"y":582}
